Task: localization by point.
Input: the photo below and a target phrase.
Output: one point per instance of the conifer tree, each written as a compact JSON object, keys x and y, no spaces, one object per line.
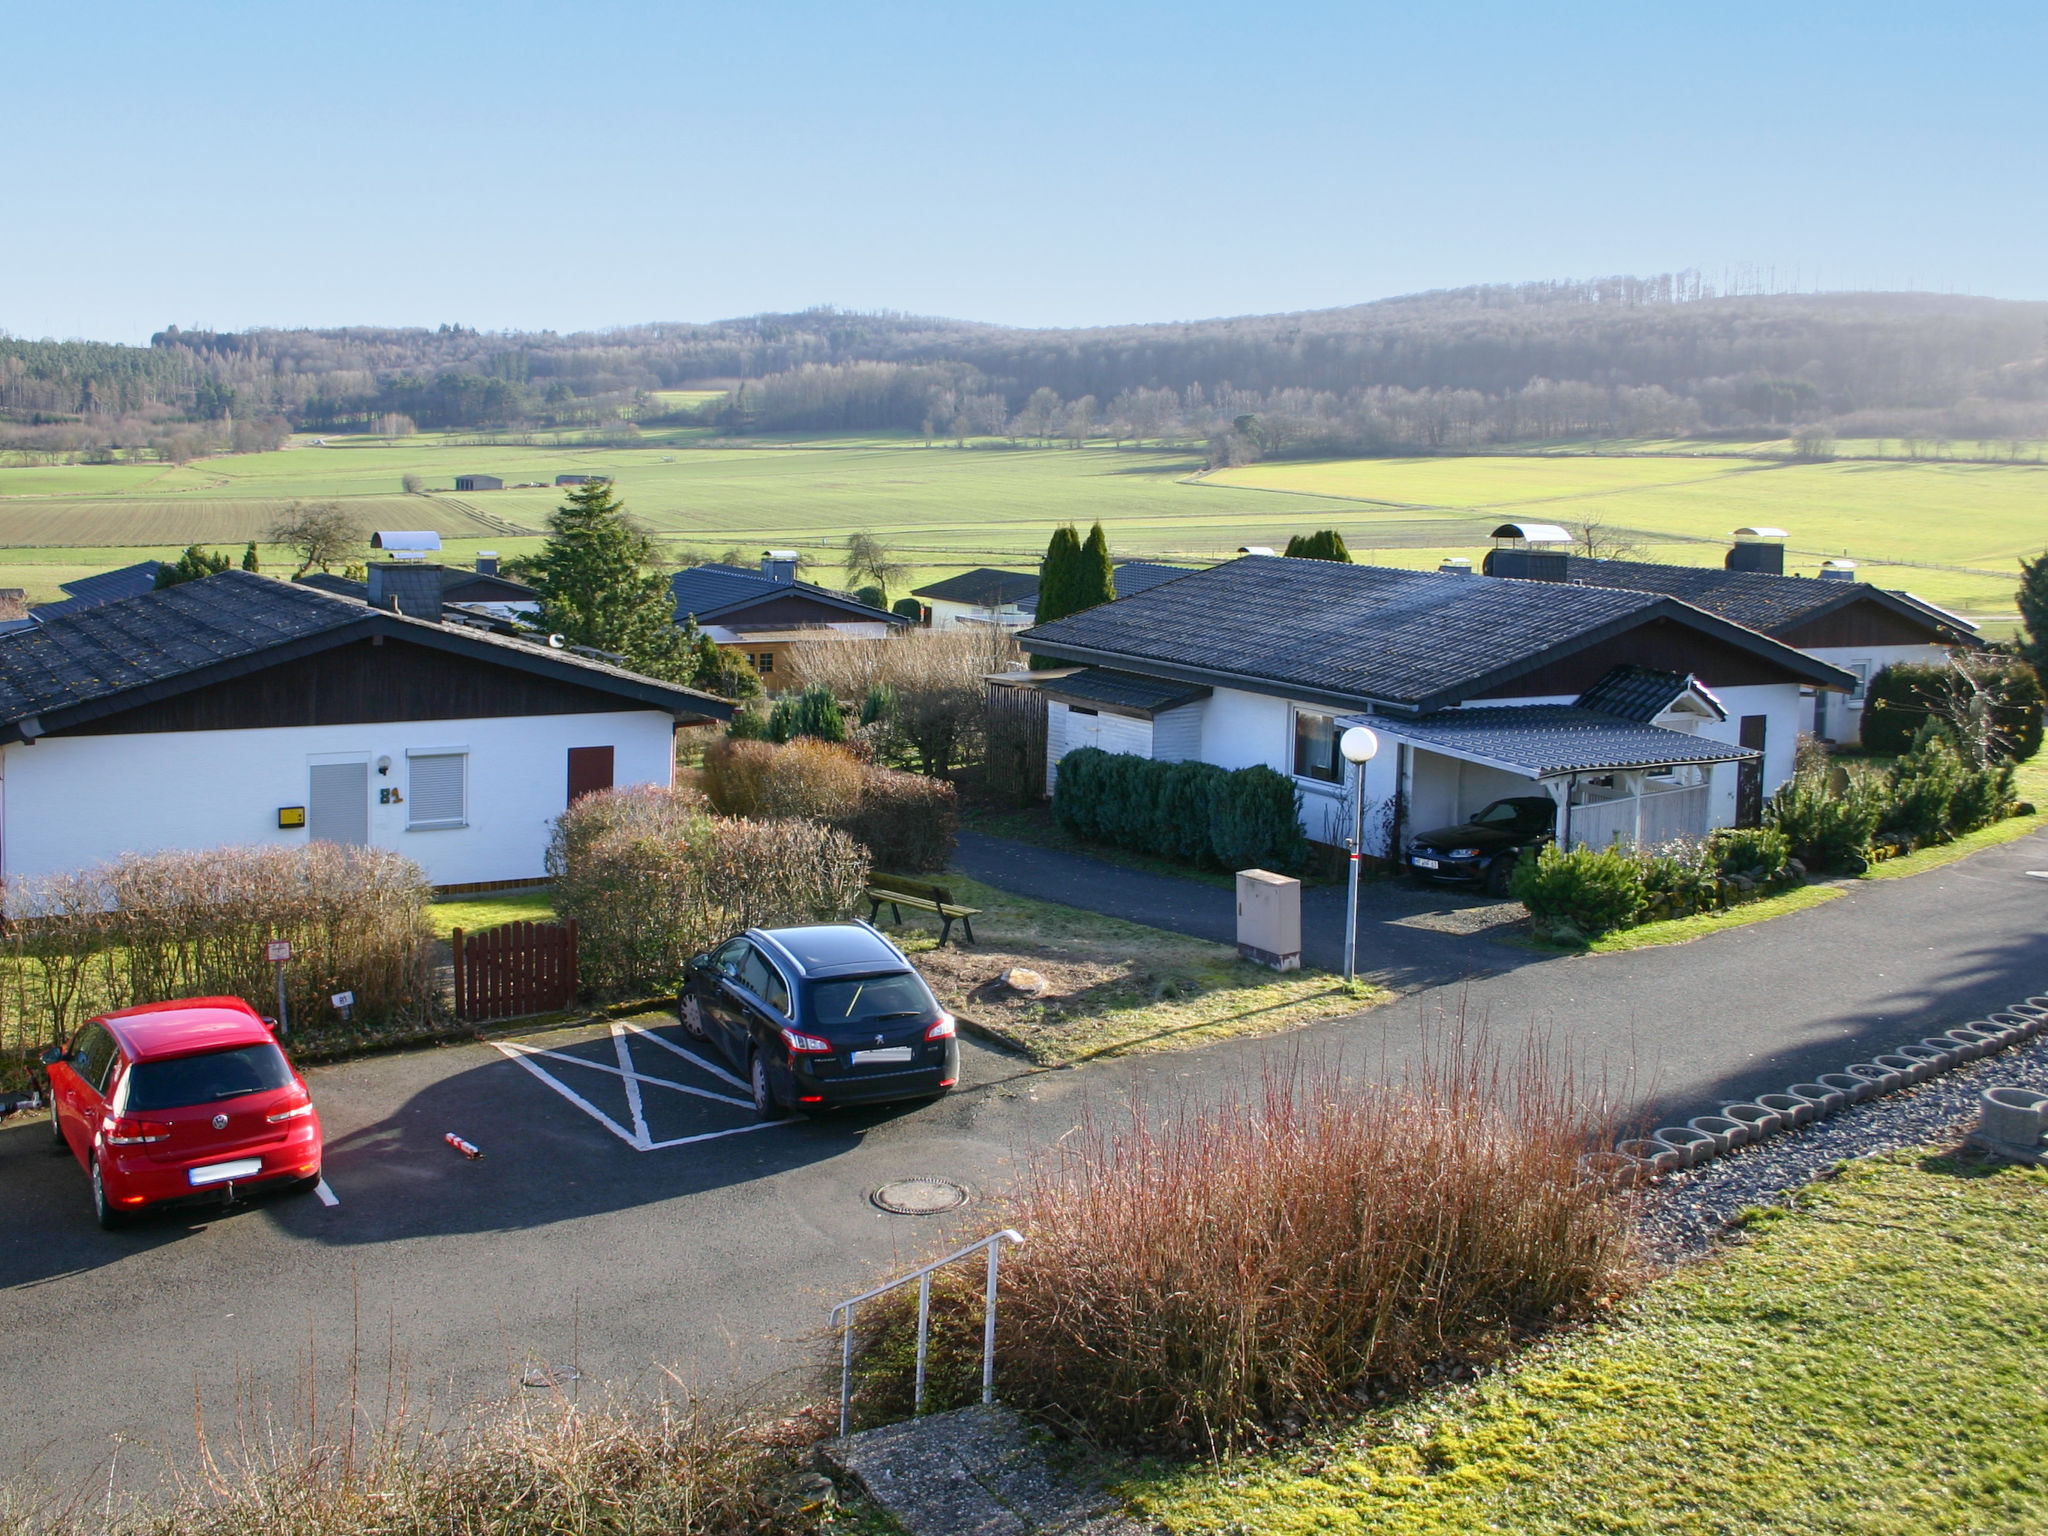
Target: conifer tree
{"x":2033,"y":601}
{"x":249,"y":560}
{"x":1095,"y":574}
{"x":1324,"y":544}
{"x":600,"y":586}
{"x":195,"y":564}
{"x":1056,"y":581}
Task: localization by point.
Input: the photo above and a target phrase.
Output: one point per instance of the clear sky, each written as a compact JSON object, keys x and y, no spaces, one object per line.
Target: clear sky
{"x":565,"y":166}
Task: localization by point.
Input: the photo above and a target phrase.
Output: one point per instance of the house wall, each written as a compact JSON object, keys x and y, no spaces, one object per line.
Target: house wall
{"x":67,"y":802}
{"x":947,"y":615}
{"x":1068,"y":727}
{"x":1839,"y":717}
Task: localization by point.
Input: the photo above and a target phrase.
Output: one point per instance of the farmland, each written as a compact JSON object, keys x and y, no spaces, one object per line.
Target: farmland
{"x":1956,"y":527}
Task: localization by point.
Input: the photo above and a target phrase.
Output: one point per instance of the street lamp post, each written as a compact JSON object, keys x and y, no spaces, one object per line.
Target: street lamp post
{"x":1358,"y":746}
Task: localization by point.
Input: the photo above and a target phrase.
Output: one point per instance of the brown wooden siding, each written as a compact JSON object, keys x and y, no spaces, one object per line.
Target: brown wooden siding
{"x":357,"y":684}
{"x":1660,"y":643}
{"x":790,"y":611}
{"x":1861,"y":623}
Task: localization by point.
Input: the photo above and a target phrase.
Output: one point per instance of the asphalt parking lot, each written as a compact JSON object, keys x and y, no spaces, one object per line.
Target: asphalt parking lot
{"x":628,"y":1213}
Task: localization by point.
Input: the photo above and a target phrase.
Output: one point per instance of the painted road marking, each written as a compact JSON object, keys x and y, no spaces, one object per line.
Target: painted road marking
{"x":632,"y":1080}
{"x":690,"y":1056}
{"x":327,"y":1196}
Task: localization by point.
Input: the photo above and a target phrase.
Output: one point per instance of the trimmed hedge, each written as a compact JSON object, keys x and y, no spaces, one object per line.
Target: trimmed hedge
{"x":1193,"y":812}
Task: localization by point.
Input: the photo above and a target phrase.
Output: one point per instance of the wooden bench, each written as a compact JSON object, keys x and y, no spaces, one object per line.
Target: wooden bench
{"x":895,"y":892}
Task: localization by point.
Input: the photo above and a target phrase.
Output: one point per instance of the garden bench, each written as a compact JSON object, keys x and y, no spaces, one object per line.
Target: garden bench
{"x":896,"y":893}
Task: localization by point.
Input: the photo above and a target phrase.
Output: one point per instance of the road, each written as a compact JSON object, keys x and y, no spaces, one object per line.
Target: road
{"x":717,"y":1257}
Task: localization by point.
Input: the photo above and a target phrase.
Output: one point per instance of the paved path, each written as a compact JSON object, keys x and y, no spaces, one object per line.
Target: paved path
{"x":721,"y":1256}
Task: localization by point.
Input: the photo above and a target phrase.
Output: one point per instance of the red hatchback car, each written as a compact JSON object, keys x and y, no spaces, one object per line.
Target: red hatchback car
{"x":181,"y":1101}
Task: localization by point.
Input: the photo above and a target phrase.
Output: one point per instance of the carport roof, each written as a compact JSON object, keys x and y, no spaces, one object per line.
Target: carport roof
{"x":1546,"y":741}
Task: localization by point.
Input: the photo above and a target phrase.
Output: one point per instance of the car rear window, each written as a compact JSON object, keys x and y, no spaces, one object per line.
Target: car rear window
{"x":854,"y":999}
{"x":184,"y":1080}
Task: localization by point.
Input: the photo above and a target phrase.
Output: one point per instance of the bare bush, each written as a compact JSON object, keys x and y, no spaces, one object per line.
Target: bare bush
{"x":651,"y":878}
{"x":926,"y":687}
{"x":908,"y":823}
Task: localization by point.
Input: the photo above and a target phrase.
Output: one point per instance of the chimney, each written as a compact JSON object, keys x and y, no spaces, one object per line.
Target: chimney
{"x":1456,"y":565}
{"x":1838,"y":570}
{"x":1528,"y":564}
{"x":413,"y":589}
{"x":487,"y":562}
{"x":1758,"y":549}
{"x":779,"y":565}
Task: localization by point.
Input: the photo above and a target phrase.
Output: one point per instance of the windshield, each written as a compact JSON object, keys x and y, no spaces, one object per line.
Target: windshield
{"x":185,"y":1080}
{"x":861,"y":999}
{"x":1502,"y":813}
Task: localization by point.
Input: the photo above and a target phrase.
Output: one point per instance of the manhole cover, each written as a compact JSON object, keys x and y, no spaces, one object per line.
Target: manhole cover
{"x":920,"y":1197}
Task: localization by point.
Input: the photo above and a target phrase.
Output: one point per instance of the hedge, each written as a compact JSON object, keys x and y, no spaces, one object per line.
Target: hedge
{"x":1194,"y":812}
{"x":1903,"y":697}
{"x":907,"y":822}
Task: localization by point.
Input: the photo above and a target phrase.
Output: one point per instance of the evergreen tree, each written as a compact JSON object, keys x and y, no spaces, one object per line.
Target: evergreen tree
{"x":1095,"y":574}
{"x":249,"y":561}
{"x":2033,"y":601}
{"x":193,"y":565}
{"x":1324,"y":544}
{"x":600,"y":586}
{"x":1056,"y":580}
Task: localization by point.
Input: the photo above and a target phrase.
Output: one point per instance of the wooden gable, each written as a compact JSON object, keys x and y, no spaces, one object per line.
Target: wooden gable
{"x":1662,"y":643}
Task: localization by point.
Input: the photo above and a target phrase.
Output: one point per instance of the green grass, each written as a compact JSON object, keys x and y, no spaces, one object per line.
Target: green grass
{"x":1683,"y":930}
{"x":473,"y":914}
{"x":1866,"y":1363}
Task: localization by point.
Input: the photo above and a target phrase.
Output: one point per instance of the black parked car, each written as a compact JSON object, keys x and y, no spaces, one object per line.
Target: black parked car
{"x":820,"y":1016}
{"x":1486,"y":847}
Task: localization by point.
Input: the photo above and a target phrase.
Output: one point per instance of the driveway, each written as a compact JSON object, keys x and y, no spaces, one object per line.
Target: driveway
{"x":682,"y":1239}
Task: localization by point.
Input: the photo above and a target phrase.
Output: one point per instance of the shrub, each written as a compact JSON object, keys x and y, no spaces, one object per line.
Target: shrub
{"x":1906,"y":696}
{"x":1180,"y":827}
{"x":651,"y":879}
{"x":1921,"y":790}
{"x":1077,"y":794}
{"x":908,"y":823}
{"x":193,"y":924}
{"x":1129,"y":793}
{"x":1828,"y":816}
{"x":1754,"y":853}
{"x":1983,"y":795}
{"x":814,"y":712}
{"x":1197,"y":1269}
{"x":1679,"y":879}
{"x":1580,"y":894}
{"x":1255,"y":821}
{"x":1896,"y":703}
{"x":935,"y":678}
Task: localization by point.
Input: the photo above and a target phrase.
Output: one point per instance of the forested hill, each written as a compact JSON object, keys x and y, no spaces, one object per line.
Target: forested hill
{"x":1535,"y":362}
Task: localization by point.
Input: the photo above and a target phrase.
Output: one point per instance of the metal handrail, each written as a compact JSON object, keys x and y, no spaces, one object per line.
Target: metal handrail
{"x":994,"y":1244}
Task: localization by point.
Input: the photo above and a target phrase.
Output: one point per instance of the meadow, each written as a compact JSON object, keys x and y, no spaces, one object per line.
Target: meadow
{"x":1948,"y":530}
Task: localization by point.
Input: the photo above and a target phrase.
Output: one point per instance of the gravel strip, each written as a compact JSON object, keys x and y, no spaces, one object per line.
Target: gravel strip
{"x":1686,"y":1211}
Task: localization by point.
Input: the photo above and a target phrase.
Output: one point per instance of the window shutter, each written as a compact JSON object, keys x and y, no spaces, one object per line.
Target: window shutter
{"x":437,"y":793}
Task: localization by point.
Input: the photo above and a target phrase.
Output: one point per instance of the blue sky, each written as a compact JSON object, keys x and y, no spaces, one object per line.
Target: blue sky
{"x":570,"y":166}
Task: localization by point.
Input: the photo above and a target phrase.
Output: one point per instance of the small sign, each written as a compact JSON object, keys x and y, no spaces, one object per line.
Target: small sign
{"x":343,"y":999}
{"x":291,"y":815}
{"x":277,"y":951}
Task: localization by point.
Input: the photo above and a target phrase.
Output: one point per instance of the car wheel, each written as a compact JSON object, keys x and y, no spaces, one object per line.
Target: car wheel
{"x":1499,"y":873}
{"x":102,"y":1208}
{"x":693,"y":1019}
{"x":765,"y":1105}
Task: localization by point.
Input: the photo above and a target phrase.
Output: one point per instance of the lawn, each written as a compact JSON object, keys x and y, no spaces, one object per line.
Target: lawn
{"x":1869,"y":1361}
{"x":476,"y":913}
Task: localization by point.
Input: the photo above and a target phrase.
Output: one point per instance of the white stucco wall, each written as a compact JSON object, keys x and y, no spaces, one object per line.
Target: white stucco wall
{"x":1840,"y":717}
{"x":949,"y":615}
{"x":70,"y":802}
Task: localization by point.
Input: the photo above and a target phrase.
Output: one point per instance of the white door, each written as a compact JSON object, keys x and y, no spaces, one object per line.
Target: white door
{"x":338,"y":804}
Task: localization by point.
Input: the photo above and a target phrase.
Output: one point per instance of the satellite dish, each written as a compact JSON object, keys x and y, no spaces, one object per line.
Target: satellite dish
{"x":556,"y":643}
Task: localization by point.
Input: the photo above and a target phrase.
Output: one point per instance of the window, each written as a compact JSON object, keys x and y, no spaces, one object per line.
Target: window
{"x":764,"y":662}
{"x":1315,"y":747}
{"x":1862,"y":671}
{"x":863,"y":999}
{"x":730,"y":957}
{"x":207,"y":1079}
{"x":93,"y":1055}
{"x":764,"y":981}
{"x":438,"y":794}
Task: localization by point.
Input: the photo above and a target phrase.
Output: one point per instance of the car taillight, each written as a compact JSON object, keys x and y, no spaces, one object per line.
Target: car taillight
{"x":297,"y":1111}
{"x":126,"y":1131}
{"x":944,"y":1029}
{"x":805,"y":1045}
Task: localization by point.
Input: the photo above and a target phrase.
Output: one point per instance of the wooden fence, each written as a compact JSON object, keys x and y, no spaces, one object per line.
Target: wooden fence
{"x":520,"y":968}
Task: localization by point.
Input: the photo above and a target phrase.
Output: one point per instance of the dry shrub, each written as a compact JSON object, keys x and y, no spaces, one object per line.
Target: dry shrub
{"x":191,"y":924}
{"x":907,"y":822}
{"x":932,"y":678}
{"x":651,"y":878}
{"x":1193,"y":1272}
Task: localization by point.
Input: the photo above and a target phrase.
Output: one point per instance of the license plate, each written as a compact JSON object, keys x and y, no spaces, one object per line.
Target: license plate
{"x":887,"y":1053}
{"x":1426,"y":864}
{"x":220,"y":1173}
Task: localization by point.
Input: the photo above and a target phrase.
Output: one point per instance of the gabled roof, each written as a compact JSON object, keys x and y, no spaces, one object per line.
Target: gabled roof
{"x":1760,"y":601}
{"x":716,"y":593}
{"x":1123,"y":690}
{"x":1548,"y":740}
{"x":1135,"y":576}
{"x":458,"y":585}
{"x":82,"y":666}
{"x":103,"y":587}
{"x":984,"y":586}
{"x":1630,"y":692}
{"x":1368,"y":636}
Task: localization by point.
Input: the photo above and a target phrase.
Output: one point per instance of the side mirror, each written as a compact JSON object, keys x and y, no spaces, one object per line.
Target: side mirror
{"x":53,"y":1055}
{"x":700,"y":962}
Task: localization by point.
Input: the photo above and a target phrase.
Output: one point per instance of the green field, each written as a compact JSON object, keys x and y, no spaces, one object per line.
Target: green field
{"x":1954,"y":529}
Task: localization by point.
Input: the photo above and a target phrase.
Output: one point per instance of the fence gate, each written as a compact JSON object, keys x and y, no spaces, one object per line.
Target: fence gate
{"x":521,"y":968}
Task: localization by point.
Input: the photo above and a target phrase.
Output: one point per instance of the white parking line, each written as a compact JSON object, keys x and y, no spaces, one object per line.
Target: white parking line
{"x":632,"y":1079}
{"x":689,"y":1056}
{"x":327,"y":1196}
{"x":521,"y":1055}
{"x":636,"y":1074}
{"x":628,"y":1072}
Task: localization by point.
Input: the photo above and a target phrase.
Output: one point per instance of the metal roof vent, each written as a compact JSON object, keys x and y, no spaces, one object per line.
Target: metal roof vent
{"x":1456,"y":565}
{"x":1838,"y":570}
{"x":1758,"y":549}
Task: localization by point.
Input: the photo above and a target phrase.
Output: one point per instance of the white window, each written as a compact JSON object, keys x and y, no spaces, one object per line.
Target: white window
{"x":1862,"y":671}
{"x":1315,"y":747}
{"x":437,"y":792}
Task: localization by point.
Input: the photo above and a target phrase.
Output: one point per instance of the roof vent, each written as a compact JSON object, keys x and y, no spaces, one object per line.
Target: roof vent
{"x":1255,"y":549}
{"x":779,"y":565}
{"x":1838,"y":570}
{"x":487,"y":562}
{"x":1528,"y":564}
{"x":1758,"y":549}
{"x":1456,"y":565}
{"x":413,"y":589}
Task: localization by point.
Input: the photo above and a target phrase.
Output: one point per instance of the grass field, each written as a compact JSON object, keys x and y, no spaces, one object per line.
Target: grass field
{"x":1962,"y":524}
{"x":1866,"y":1362}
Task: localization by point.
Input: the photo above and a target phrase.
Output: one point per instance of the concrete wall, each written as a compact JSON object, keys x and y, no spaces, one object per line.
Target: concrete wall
{"x":67,"y":802}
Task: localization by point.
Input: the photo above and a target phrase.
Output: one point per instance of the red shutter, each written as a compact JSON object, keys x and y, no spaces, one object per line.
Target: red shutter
{"x":590,"y":770}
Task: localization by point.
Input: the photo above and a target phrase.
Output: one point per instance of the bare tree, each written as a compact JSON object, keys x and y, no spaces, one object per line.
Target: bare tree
{"x":320,"y":533}
{"x":413,"y":484}
{"x":868,"y":560}
{"x":1598,"y":541}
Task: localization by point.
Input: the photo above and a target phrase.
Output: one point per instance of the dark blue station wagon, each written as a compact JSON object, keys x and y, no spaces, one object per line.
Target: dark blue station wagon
{"x":821,"y":1016}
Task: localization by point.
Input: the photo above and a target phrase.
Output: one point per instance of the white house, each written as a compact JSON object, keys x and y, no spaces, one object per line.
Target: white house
{"x":1009,"y":599}
{"x":241,"y":709}
{"x":1641,"y":716}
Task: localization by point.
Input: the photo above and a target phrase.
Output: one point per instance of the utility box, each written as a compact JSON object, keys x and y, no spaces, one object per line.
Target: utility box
{"x":1269,"y":919}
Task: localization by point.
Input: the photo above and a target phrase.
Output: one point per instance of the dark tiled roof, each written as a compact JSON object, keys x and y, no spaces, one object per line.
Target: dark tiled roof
{"x":457,"y":586}
{"x":234,"y":622}
{"x":104,"y":587}
{"x":1754,"y":599}
{"x":1099,"y":685}
{"x":1135,"y":576}
{"x":1634,"y":693}
{"x":985,"y":586}
{"x":1359,"y":634}
{"x":1543,"y":740}
{"x":715,"y":591}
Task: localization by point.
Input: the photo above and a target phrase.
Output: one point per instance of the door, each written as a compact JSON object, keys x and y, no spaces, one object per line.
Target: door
{"x":338,"y":804}
{"x":590,"y":770}
{"x":767,"y":1003}
{"x":1749,"y":775}
{"x":724,"y":1010}
{"x":75,"y":1086}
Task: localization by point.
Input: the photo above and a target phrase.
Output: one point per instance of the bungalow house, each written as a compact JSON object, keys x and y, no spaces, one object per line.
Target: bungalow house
{"x":763,"y":613}
{"x":1009,"y":599}
{"x":241,"y":709}
{"x":479,"y":595}
{"x":1641,"y":716}
{"x":1834,"y":618}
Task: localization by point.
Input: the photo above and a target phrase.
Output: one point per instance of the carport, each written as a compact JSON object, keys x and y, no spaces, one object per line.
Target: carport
{"x":1612,"y":779}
